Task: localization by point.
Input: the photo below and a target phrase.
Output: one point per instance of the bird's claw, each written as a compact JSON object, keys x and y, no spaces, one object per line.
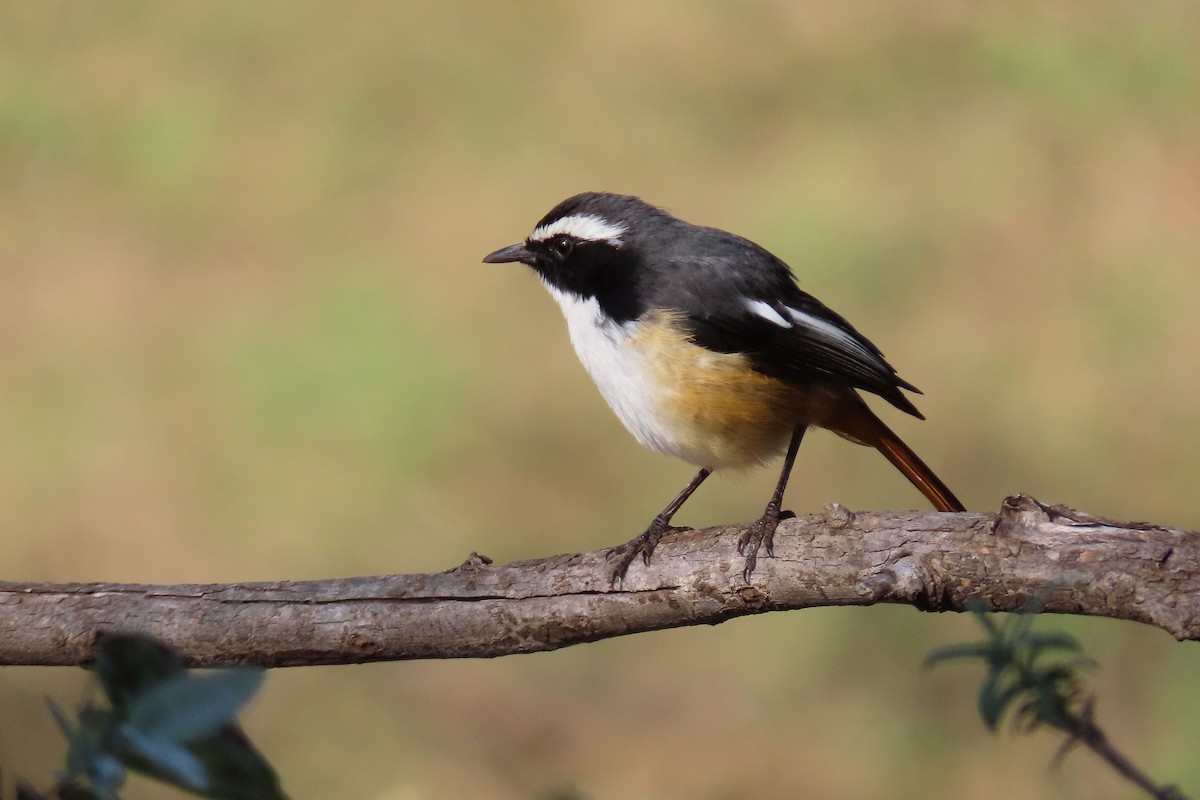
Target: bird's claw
{"x":643,"y":544}
{"x":760,"y":535}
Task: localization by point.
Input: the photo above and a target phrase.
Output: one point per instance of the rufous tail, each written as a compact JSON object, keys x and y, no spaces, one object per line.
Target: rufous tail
{"x":860,"y":424}
{"x":922,"y":477}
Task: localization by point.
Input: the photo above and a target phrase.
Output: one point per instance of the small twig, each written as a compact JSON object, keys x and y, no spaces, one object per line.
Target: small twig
{"x":1092,"y":737}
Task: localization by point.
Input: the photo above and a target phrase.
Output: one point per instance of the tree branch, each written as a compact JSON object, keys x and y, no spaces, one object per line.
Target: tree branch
{"x":1075,"y":563}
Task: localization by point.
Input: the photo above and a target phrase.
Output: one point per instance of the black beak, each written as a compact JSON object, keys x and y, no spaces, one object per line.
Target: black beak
{"x":507,"y":255}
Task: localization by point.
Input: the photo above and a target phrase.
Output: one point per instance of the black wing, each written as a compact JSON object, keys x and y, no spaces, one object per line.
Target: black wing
{"x":739,"y":298}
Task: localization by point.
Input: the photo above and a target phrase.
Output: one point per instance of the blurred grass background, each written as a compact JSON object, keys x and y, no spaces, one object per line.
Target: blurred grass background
{"x":245,"y":334}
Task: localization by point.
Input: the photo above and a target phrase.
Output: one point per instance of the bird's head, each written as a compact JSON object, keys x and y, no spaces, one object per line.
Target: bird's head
{"x":590,"y":246}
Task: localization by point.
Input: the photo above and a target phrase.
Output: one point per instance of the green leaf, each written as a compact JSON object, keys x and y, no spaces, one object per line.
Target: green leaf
{"x":1026,"y":717}
{"x":993,"y":700}
{"x":60,"y":718}
{"x":188,"y":707}
{"x":1052,"y":709}
{"x":1052,"y":640}
{"x":1018,"y":625}
{"x":985,"y":701}
{"x":955,"y":651}
{"x":985,"y":618}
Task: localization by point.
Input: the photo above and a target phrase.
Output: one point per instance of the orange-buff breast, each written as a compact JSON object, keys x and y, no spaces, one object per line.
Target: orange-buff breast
{"x":723,"y":414}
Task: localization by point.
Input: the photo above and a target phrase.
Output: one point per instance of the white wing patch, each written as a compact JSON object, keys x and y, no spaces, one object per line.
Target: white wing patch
{"x":822,"y":328}
{"x":581,"y":226}
{"x":767,"y":312}
{"x":827,"y":330}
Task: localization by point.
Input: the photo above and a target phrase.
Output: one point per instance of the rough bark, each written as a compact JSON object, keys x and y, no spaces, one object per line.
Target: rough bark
{"x":1076,"y":563}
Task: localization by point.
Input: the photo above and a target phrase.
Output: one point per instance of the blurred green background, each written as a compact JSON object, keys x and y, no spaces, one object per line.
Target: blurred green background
{"x":245,"y":334}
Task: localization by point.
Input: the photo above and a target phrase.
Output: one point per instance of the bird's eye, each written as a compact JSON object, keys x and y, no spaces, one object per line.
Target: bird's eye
{"x":561,"y":245}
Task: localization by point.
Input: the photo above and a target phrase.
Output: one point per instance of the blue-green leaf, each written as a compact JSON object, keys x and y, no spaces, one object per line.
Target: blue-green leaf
{"x":106,"y":774}
{"x":89,"y":742}
{"x":188,"y":707}
{"x":170,"y":761}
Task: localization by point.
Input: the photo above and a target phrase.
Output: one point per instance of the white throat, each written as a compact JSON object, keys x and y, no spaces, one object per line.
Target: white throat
{"x":622,"y":372}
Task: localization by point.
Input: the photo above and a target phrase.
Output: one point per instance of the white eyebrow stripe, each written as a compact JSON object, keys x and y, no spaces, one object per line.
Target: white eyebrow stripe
{"x":828,"y":330}
{"x":767,"y":312}
{"x":582,"y":226}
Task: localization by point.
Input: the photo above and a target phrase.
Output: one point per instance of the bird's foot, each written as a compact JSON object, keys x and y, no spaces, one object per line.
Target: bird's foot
{"x":760,"y":535}
{"x":643,"y":545}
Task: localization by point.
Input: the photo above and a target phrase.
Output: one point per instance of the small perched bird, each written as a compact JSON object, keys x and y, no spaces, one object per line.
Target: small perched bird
{"x":707,"y":350}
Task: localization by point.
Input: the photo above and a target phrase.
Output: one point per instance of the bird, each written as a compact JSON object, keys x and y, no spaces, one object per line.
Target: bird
{"x":706,"y":348}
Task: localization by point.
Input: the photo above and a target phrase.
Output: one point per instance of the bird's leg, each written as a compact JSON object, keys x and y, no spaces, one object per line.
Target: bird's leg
{"x":762,"y":532}
{"x":646,"y":542}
